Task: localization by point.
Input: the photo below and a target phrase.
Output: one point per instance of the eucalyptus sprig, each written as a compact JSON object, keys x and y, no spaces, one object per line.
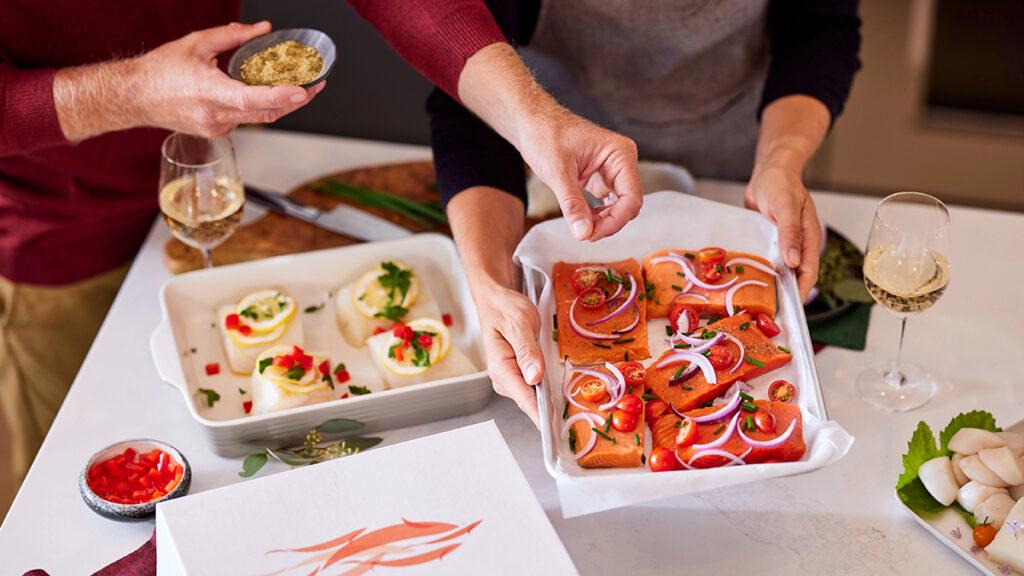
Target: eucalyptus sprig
{"x":313,"y":450}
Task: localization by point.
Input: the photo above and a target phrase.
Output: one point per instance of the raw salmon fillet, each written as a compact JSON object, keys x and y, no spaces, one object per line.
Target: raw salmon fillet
{"x":581,"y":350}
{"x":758,"y":348}
{"x":664,"y":434}
{"x":628,"y":448}
{"x":667,"y":280}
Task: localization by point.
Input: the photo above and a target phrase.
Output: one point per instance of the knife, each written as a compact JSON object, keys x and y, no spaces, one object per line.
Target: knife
{"x":342,"y":219}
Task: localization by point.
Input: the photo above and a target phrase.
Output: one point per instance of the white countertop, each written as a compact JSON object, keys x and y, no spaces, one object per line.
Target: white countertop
{"x":843,"y":519}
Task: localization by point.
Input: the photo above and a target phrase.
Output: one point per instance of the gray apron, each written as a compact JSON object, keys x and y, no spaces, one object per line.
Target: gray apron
{"x":682,"y":78}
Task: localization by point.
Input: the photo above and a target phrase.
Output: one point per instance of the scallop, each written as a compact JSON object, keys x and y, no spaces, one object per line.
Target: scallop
{"x":968,"y":441}
{"x":937,"y":476}
{"x":975,"y":469}
{"x":994,"y":510}
{"x":1014,"y":441}
{"x":974,"y":493}
{"x":961,"y":478}
{"x":1004,"y":464}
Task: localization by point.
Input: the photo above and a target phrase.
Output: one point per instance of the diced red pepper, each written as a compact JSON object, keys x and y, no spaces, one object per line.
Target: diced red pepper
{"x":244,"y":330}
{"x":342,"y":376}
{"x":324,"y":367}
{"x":447,"y":319}
{"x":379,"y":330}
{"x":296,"y":351}
{"x":345,"y":395}
{"x":306,"y":361}
{"x":212,"y":369}
{"x":247,"y":406}
{"x":130,"y":477}
{"x":402,"y":331}
{"x":284,"y":361}
{"x":232,"y":321}
{"x":426,"y":341}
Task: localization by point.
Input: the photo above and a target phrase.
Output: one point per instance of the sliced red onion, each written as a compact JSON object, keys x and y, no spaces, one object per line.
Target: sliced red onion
{"x":733,"y":459}
{"x":752,"y":264}
{"x":580,"y":373}
{"x":583,"y":331}
{"x":618,"y":291}
{"x":743,"y":351}
{"x":744,"y":386}
{"x":684,"y":293}
{"x":632,"y":324}
{"x":688,"y":272}
{"x":619,"y":390}
{"x":722,"y":438}
{"x":732,"y":292}
{"x":701,"y":346}
{"x":622,"y":307}
{"x":719,"y":414}
{"x":691,"y":340}
{"x":692,"y":357}
{"x":769,"y":443}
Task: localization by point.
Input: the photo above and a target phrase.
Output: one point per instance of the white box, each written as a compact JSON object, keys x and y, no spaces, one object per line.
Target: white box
{"x":458,"y":493}
{"x":189,"y":303}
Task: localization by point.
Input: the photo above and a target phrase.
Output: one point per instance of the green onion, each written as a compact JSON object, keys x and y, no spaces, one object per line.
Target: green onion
{"x":677,"y":288}
{"x":784,"y":349}
{"x":643,"y":460}
{"x":416,"y":211}
{"x":754,"y":361}
{"x":690,"y":255}
{"x":608,"y":422}
{"x":746,"y":396}
{"x":680,"y":274}
{"x":648,"y":396}
{"x":554,"y":335}
{"x":679,"y":372}
{"x":572,"y":440}
{"x":608,"y":274}
{"x":719,"y":429}
{"x":636,"y":437}
{"x":669,"y":331}
{"x":623,"y":340}
{"x":708,"y":404}
{"x":745,"y":325}
{"x":603,"y":435}
{"x":625,"y":357}
{"x":750,"y":423}
{"x":681,"y":346}
{"x":749,"y":406}
{"x":600,"y":345}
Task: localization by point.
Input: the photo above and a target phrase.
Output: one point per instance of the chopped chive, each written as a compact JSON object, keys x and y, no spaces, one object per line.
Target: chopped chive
{"x":669,"y":331}
{"x":754,"y":361}
{"x":739,"y":268}
{"x":784,"y":349}
{"x":681,"y":346}
{"x":603,"y":435}
{"x":690,"y":255}
{"x":719,"y":430}
{"x":708,"y":404}
{"x":749,"y":406}
{"x":608,"y":274}
{"x":636,"y":437}
{"x":677,"y":288}
{"x":679,"y":423}
{"x":572,"y":440}
{"x":600,"y":345}
{"x":648,"y":396}
{"x":707,"y":353}
{"x":608,"y":422}
{"x":643,"y":460}
{"x":718,"y":267}
{"x":680,"y":274}
{"x":623,"y":340}
{"x":565,"y":412}
{"x":745,"y":325}
{"x":687,"y":388}
{"x":679,"y":372}
{"x":750,"y":423}
{"x":625,"y":357}
{"x":554,"y":335}
{"x":746,"y":396}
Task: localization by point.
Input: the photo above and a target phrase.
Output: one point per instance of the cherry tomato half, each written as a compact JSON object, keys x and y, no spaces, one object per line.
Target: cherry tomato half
{"x":712,"y":272}
{"x":686,"y":433}
{"x":592,"y":298}
{"x":781,"y":391}
{"x":710,"y":255}
{"x":635,"y":374}
{"x":720,"y":357}
{"x":683,"y":318}
{"x":767,"y":326}
{"x":630,"y":403}
{"x":592,"y":390}
{"x":764,"y":421}
{"x":662,"y":460}
{"x":654,"y":409}
{"x":624,"y":421}
{"x":585,"y":279}
{"x":984,"y":534}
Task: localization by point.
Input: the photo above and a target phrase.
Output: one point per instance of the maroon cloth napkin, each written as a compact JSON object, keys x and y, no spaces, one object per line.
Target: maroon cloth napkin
{"x":141,"y":562}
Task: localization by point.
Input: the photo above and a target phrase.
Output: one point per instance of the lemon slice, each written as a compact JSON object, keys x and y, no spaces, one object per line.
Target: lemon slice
{"x":310,"y":381}
{"x":369,"y":297}
{"x":257,"y":338}
{"x":265,"y":310}
{"x":439,"y":348}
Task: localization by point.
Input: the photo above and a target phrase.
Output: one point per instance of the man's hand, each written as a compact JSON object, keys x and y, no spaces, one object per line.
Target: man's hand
{"x":176,"y":86}
{"x":564,"y":150}
{"x":792,"y":128}
{"x":780,"y":195}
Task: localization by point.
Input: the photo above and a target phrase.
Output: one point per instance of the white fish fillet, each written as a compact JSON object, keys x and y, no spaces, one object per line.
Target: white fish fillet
{"x":357,"y":328}
{"x":242,"y":359}
{"x":455,"y":363}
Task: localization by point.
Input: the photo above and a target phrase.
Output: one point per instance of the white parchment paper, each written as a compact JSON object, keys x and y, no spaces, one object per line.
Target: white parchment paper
{"x":671,"y":220}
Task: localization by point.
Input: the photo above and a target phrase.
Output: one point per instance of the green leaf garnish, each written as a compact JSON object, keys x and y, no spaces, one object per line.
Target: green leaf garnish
{"x":211,"y":396}
{"x":973,"y":419}
{"x":252,"y":464}
{"x":339,"y":425}
{"x":264,"y":363}
{"x":358,"y":390}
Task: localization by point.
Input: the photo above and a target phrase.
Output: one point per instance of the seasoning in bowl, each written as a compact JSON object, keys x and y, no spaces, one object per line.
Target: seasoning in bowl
{"x":134,"y":478}
{"x":283,"y":64}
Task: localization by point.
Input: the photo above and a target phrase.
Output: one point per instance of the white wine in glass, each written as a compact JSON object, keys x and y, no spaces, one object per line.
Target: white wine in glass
{"x":906,"y":271}
{"x":201,"y":193}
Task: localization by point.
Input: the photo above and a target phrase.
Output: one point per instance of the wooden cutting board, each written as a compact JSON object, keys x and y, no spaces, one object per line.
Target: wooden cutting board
{"x":274,"y":235}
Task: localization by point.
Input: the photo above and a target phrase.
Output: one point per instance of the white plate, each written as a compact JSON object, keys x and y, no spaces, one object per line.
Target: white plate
{"x":189,"y":303}
{"x":948,"y":523}
{"x":672,"y":220}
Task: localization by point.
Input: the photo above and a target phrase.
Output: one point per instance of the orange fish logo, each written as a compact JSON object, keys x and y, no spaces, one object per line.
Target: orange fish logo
{"x":395,"y":546}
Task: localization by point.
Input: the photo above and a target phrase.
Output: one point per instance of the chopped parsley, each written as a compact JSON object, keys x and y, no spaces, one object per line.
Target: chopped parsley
{"x":264,"y":363}
{"x":241,"y":390}
{"x":358,"y":390}
{"x":295,"y":373}
{"x":211,"y":396}
{"x":312,"y":309}
{"x":340,"y":367}
{"x":396,"y":281}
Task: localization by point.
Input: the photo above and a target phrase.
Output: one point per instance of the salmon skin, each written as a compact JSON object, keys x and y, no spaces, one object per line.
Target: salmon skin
{"x":664,"y":432}
{"x":667,"y":281}
{"x":582,"y":350}
{"x":695,"y":390}
{"x":628,"y":448}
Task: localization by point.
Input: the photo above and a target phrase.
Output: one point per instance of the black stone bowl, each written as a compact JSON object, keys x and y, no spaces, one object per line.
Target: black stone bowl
{"x":313,"y":38}
{"x":142,"y":511}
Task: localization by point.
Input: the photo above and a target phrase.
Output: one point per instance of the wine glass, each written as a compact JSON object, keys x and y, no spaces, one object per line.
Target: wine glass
{"x":201,"y":192}
{"x":906,"y":270}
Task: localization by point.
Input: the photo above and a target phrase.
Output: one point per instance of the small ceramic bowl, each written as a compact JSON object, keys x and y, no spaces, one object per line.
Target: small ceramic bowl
{"x":313,"y":38}
{"x":118,"y":511}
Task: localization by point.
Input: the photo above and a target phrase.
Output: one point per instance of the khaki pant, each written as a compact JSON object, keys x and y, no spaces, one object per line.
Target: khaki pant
{"x":45,"y":332}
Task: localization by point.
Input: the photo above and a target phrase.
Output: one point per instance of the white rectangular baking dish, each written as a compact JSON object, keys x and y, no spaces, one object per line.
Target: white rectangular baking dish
{"x":189,"y":303}
{"x":671,"y":220}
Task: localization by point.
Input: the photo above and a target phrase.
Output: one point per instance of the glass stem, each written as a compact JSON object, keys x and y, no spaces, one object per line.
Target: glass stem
{"x":208,"y":262}
{"x":895,"y":376}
